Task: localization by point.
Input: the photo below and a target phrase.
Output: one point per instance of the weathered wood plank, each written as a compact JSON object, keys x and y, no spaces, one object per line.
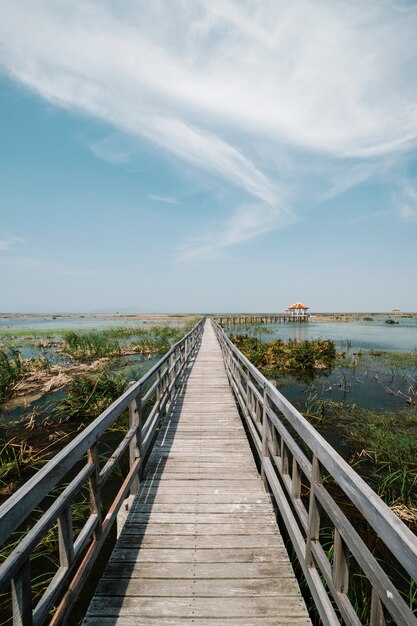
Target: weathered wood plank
{"x":195,"y":569}
{"x":200,"y":541}
{"x":197,"y":587}
{"x":200,"y":555}
{"x":197,"y":516}
{"x":197,"y":607}
{"x":197,"y":621}
{"x":198,"y":529}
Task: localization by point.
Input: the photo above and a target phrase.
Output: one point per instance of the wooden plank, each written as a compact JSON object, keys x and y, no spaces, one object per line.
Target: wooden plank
{"x":197,"y":607}
{"x":197,"y":621}
{"x":200,"y":555}
{"x":194,"y":569}
{"x":199,"y":529}
{"x":169,"y":509}
{"x":199,"y":517}
{"x":200,"y":541}
{"x":217,"y":588}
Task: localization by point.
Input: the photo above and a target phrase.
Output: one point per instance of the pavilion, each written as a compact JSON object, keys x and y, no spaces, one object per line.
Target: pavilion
{"x":298,"y":309}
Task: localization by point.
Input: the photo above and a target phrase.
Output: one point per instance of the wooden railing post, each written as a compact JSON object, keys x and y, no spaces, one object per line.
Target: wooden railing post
{"x":94,"y":488}
{"x":158,"y":388}
{"x":377,"y":611}
{"x":248,"y":396}
{"x":313,"y":526}
{"x":65,"y":538}
{"x":295,"y":480}
{"x":340,"y":564}
{"x":284,"y":457}
{"x":135,"y":446}
{"x":22,"y":597}
{"x":266,"y":435}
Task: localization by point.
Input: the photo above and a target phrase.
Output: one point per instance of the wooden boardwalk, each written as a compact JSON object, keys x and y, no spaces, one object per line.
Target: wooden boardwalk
{"x":200,"y":545}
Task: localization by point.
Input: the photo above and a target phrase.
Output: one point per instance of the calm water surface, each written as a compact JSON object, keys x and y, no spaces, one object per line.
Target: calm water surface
{"x":76,"y":323}
{"x":374,"y":335}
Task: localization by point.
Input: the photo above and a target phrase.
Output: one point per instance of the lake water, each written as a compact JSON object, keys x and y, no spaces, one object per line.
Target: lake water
{"x":375,"y":335}
{"x":53,"y":323}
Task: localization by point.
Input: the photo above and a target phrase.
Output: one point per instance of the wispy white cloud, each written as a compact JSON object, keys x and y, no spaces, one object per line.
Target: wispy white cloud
{"x":237,"y":89}
{"x":405,"y":202}
{"x":114,"y":149}
{"x":375,"y":215}
{"x":164,"y":199}
{"x":7,"y":244}
{"x":246,"y":222}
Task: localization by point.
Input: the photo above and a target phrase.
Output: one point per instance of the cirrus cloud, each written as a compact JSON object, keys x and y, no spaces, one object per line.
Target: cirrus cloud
{"x":286,"y":103}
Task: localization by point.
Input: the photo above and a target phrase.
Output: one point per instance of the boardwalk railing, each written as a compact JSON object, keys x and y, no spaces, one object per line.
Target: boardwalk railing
{"x":301,"y":471}
{"x":261,"y":318}
{"x":75,"y":468}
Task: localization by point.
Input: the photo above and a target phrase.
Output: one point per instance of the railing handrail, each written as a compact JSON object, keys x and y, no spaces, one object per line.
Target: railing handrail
{"x":80,"y":554}
{"x":13,"y":512}
{"x":398,"y":538}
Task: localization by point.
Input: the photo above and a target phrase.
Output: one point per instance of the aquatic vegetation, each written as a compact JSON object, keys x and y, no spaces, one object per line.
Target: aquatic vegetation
{"x":391,"y":321}
{"x":301,"y":358}
{"x":11,"y":370}
{"x":89,"y":346}
{"x":14,"y":455}
{"x":89,"y":395}
{"x":383,"y":442}
{"x":389,"y":437}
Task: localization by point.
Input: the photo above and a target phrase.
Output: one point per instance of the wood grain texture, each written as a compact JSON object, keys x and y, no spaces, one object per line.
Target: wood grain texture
{"x":200,"y":545}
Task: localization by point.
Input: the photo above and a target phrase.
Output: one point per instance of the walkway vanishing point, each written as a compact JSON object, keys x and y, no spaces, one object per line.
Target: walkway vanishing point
{"x":201,"y":544}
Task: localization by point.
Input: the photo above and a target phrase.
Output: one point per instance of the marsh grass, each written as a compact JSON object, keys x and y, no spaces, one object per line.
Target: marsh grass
{"x":89,"y":346}
{"x":11,"y":370}
{"x":14,"y":455}
{"x":89,"y":395}
{"x":383,"y":445}
{"x":300,"y":358}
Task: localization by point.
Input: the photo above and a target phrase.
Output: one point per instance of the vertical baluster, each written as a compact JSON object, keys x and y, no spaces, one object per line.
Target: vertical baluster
{"x":65,"y":538}
{"x":295,"y":480}
{"x":258,"y":411}
{"x":248,"y":399}
{"x":135,"y":446}
{"x":340,"y":564}
{"x":313,"y":527}
{"x":266,"y":435}
{"x":22,"y":597}
{"x":158,"y":387}
{"x":177,"y":364}
{"x":377,"y":611}
{"x":284,"y":457}
{"x":94,"y":488}
{"x":171,"y":375}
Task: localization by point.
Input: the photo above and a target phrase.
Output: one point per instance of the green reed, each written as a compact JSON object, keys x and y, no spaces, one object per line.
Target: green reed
{"x":89,"y":395}
{"x":11,"y":370}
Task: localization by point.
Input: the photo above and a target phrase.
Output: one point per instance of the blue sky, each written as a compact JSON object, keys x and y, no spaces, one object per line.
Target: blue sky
{"x":208,"y":156}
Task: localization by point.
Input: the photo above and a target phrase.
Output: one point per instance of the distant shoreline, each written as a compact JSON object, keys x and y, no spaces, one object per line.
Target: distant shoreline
{"x":337,"y":316}
{"x":130,"y":316}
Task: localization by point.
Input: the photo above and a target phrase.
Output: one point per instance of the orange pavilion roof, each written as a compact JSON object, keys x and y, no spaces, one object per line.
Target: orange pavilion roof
{"x":297,"y":305}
